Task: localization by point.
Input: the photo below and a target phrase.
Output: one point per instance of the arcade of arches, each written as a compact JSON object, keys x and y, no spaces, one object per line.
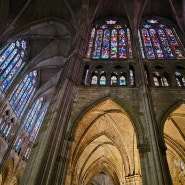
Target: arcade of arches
{"x":92,"y":92}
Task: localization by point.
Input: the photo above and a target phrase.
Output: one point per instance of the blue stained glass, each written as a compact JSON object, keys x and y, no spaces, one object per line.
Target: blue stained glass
{"x":148,"y":44}
{"x":147,"y":26}
{"x":110,"y":40}
{"x":38,"y":125}
{"x":102,"y":80}
{"x":174,"y":44}
{"x":122,"y":44}
{"x":8,"y":60}
{"x":20,"y":92}
{"x":9,"y":68}
{"x":156,"y":43}
{"x":18,"y":143}
{"x":12,"y":74}
{"x":20,"y":97}
{"x":122,"y":80}
{"x":160,"y":42}
{"x":114,"y":43}
{"x":97,"y":46}
{"x":7,"y":52}
{"x":105,"y":47}
{"x":104,"y":26}
{"x":12,"y":59}
{"x":165,"y":44}
{"x":26,"y":102}
{"x":32,"y":115}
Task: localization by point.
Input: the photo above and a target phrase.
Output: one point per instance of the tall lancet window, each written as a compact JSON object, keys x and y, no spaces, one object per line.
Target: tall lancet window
{"x":23,"y":93}
{"x":110,"y":40}
{"x":12,"y":59}
{"x":34,"y":119}
{"x":31,"y":125}
{"x":159,"y":41}
{"x":32,"y":115}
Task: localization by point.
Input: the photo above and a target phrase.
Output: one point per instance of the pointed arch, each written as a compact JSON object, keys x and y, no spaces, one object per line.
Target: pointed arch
{"x":160,"y":40}
{"x":104,"y":131}
{"x":12,"y":60}
{"x":172,"y":136}
{"x":140,"y":133}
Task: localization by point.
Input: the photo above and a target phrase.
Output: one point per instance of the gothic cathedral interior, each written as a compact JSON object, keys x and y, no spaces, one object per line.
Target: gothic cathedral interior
{"x":92,"y":92}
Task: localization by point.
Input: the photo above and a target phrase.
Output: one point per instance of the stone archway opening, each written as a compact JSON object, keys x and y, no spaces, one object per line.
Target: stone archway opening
{"x":104,"y":147}
{"x":174,"y":135}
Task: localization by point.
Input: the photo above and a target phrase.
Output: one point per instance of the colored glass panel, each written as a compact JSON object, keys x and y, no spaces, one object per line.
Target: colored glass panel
{"x":174,"y":44}
{"x":122,"y":80}
{"x":94,"y":80}
{"x":102,"y":80}
{"x":160,"y":42}
{"x":156,"y":44}
{"x":110,"y":40}
{"x":6,"y":53}
{"x":23,"y":93}
{"x":105,"y":47}
{"x":97,"y":45}
{"x":12,"y":59}
{"x":91,"y":43}
{"x":37,"y":125}
{"x":32,"y":115}
{"x":165,"y":44}
{"x":129,"y":43}
{"x":147,"y":44}
{"x":122,"y":44}
{"x":114,"y":41}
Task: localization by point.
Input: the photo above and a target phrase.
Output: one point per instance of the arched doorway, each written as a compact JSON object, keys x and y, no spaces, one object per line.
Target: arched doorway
{"x":174,"y":135}
{"x":104,"y":148}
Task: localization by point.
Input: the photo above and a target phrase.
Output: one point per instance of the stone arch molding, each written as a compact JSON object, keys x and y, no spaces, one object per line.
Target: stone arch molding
{"x":172,"y":134}
{"x":104,"y":137}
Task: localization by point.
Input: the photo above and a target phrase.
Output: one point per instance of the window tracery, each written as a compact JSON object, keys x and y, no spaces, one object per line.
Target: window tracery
{"x":160,"y":41}
{"x":12,"y":60}
{"x":161,"y":79}
{"x":110,"y":40}
{"x":30,"y":128}
{"x":23,"y":93}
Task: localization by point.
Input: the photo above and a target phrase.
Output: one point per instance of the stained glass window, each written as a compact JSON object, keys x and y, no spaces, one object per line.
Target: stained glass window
{"x":180,"y":79}
{"x":12,"y":59}
{"x":18,"y":144}
{"x":23,"y":93}
{"x":94,"y":79}
{"x":114,"y":79}
{"x":32,"y":115}
{"x":122,"y":80}
{"x":156,"y":78}
{"x":37,"y":125}
{"x":102,"y":78}
{"x":110,"y":41}
{"x":161,"y":79}
{"x":132,"y":79}
{"x":30,"y":127}
{"x":160,"y":41}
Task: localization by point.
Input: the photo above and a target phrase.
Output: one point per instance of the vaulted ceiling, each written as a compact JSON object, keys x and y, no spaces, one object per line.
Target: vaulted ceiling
{"x":52,"y":27}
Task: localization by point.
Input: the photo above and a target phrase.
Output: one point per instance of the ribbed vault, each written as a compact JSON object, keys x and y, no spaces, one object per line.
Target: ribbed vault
{"x":104,"y":142}
{"x":174,"y":134}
